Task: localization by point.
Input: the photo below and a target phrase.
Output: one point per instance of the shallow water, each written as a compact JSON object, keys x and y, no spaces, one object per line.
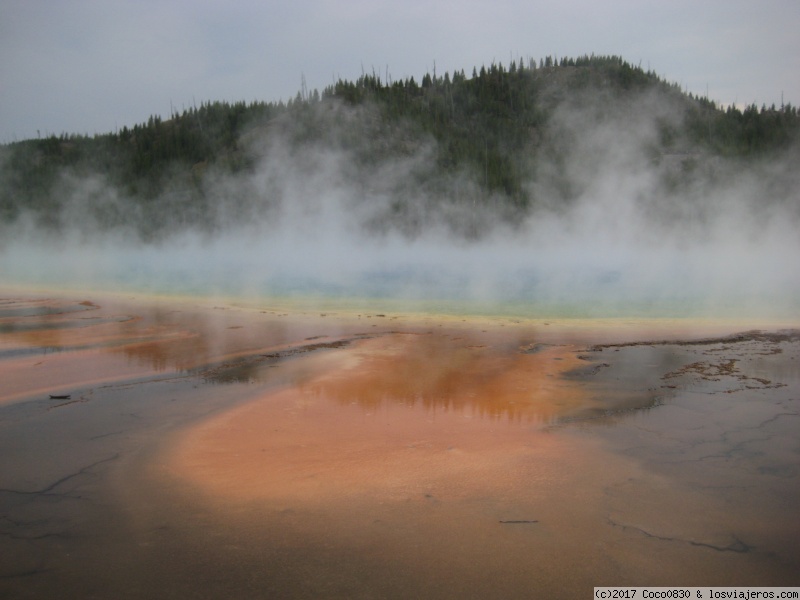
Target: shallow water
{"x":215,"y":451}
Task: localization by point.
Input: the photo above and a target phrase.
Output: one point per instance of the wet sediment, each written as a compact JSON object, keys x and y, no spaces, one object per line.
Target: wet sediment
{"x":213,"y":451}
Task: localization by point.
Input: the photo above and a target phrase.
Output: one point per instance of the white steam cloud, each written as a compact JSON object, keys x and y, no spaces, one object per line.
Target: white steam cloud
{"x":616,"y":228}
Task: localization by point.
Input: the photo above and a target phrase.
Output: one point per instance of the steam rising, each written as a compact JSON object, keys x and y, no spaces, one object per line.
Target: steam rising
{"x":615,"y":227}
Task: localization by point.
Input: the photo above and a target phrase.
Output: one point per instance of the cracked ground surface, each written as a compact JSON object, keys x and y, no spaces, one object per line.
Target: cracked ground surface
{"x":251,"y":453}
{"x":721,"y":452}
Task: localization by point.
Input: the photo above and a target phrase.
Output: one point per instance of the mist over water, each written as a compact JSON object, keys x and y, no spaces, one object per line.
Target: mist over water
{"x":615,"y":229}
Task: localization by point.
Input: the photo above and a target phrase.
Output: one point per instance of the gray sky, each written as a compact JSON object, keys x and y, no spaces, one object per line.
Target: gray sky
{"x":92,"y":66}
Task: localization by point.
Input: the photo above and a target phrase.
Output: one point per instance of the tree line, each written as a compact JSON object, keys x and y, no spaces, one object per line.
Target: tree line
{"x":495,"y":126}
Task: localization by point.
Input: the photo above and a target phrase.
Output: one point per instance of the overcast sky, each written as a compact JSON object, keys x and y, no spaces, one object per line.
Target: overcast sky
{"x":92,"y":66}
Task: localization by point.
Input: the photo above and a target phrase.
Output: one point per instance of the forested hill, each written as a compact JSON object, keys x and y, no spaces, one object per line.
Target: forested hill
{"x":504,"y":136}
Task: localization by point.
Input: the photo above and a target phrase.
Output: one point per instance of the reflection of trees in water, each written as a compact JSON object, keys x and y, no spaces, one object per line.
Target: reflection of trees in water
{"x":450,"y":374}
{"x":168,"y":353}
{"x":174,"y":340}
{"x":156,"y":339}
